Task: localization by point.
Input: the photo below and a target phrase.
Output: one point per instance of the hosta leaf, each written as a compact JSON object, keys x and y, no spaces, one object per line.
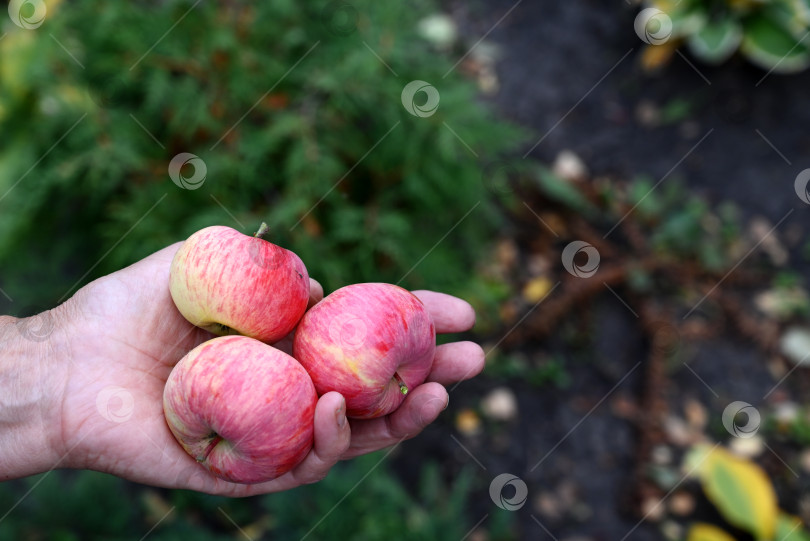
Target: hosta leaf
{"x":707,"y":532}
{"x":688,"y":22}
{"x":802,"y":10}
{"x":687,"y":17}
{"x":790,"y":528}
{"x":716,"y":41}
{"x":788,"y":14}
{"x":771,"y":47}
{"x":738,"y":488}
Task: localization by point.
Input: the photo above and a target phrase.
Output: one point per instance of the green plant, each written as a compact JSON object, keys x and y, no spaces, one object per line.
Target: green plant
{"x":684,"y":227}
{"x":378,"y":509}
{"x":743,"y":494}
{"x":294,"y":117}
{"x":545,"y":371}
{"x":679,"y":227}
{"x":769,"y":33}
{"x":95,"y":508}
{"x":793,"y":428}
{"x":676,"y":110}
{"x":787,"y":297}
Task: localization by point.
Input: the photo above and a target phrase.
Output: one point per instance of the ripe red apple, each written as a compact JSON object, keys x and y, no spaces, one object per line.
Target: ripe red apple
{"x":230,"y":283}
{"x":243,"y":409}
{"x":369,"y":342}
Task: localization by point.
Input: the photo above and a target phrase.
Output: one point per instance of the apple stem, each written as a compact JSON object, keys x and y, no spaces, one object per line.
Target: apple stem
{"x":402,"y":387}
{"x":263,"y":230}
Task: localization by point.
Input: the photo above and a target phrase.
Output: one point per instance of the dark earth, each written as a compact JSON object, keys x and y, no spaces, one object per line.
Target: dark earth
{"x":570,"y":72}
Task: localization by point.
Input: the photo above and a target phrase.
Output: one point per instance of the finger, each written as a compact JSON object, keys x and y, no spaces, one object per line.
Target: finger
{"x":456,"y":362}
{"x":450,"y":314}
{"x":315,"y":293}
{"x":156,"y":265}
{"x":419,"y":409}
{"x":332,"y":436}
{"x":167,"y":253}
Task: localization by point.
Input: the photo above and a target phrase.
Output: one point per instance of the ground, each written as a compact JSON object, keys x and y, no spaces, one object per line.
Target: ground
{"x":570,"y":72}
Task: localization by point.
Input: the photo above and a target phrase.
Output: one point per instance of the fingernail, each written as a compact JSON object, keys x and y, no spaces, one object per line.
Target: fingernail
{"x":446,"y":403}
{"x":340,"y":414}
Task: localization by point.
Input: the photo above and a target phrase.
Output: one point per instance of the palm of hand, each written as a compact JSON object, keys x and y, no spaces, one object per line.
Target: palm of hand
{"x":131,"y":336}
{"x":124,"y":337}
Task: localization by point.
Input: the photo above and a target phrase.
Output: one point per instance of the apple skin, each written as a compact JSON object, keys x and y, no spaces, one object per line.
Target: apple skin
{"x":360,"y":339}
{"x":230,"y":283}
{"x":243,"y":409}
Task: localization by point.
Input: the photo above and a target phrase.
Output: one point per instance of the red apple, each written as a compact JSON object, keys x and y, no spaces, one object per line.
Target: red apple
{"x":369,"y":342}
{"x":230,"y":283}
{"x":241,"y":408}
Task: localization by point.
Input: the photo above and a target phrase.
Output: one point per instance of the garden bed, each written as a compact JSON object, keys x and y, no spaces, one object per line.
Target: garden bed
{"x":570,"y":72}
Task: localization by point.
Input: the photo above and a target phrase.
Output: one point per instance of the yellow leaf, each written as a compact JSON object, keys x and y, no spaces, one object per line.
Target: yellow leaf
{"x":707,"y":532}
{"x":744,"y":5}
{"x":666,"y":6}
{"x":17,"y":54}
{"x":468,"y":422}
{"x":657,"y":56}
{"x":739,"y":489}
{"x":536,"y":288}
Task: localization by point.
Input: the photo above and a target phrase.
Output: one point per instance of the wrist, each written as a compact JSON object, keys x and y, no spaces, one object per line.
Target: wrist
{"x":30,"y":395}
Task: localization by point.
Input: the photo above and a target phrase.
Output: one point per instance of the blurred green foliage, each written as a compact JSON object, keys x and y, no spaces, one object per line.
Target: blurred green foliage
{"x":295,"y":109}
{"x":769,"y":33}
{"x":679,"y":226}
{"x":104,"y":507}
{"x":540,"y":372}
{"x":297,"y":121}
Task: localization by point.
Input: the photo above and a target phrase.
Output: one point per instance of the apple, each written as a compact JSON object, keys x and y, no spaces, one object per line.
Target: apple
{"x":230,"y":283}
{"x":241,"y":408}
{"x":369,"y":342}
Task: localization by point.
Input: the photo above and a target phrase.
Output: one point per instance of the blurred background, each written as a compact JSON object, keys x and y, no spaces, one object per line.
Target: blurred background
{"x":620,"y":189}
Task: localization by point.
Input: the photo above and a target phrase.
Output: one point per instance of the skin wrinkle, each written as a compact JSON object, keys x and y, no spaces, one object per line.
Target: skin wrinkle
{"x":61,"y":449}
{"x":26,"y":411}
{"x":54,"y":353}
{"x":71,"y":337}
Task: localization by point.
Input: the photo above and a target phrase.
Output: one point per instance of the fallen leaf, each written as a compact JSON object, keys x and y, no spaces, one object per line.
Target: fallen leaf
{"x":707,"y":532}
{"x":536,"y":289}
{"x":468,"y":422}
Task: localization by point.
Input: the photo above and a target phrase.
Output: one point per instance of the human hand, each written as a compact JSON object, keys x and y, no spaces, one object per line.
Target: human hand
{"x":115,"y":342}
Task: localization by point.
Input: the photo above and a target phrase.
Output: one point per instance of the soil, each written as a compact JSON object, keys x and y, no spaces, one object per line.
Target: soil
{"x":570,"y":72}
